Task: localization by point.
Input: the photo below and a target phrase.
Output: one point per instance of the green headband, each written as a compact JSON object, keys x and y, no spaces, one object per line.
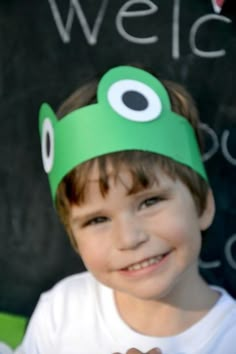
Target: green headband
{"x":133,"y":113}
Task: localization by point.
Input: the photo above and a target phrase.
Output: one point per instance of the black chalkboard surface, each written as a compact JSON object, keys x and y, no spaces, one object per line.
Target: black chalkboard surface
{"x":47,"y":49}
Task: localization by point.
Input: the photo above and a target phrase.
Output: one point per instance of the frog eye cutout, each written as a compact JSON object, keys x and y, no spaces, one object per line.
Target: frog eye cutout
{"x":47,"y":145}
{"x":134,"y":100}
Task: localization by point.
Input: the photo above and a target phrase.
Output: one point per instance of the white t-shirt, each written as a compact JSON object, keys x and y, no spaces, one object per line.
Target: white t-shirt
{"x":4,"y":349}
{"x":79,"y":316}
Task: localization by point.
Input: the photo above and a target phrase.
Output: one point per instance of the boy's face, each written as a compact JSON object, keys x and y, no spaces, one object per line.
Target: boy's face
{"x":144,"y":244}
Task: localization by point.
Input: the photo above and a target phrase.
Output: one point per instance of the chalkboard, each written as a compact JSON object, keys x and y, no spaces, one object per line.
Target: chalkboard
{"x":47,"y":49}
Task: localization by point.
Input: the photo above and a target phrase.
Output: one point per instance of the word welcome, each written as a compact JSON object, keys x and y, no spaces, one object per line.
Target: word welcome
{"x":125,"y":12}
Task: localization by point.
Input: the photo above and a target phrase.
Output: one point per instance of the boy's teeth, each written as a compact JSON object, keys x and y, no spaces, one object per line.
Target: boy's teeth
{"x":145,"y":263}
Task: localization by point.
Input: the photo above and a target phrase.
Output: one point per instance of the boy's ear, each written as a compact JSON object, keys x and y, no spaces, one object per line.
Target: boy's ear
{"x":207,"y":216}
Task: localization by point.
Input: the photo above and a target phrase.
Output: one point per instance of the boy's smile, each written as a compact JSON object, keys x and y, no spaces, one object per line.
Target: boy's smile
{"x":145,"y":244}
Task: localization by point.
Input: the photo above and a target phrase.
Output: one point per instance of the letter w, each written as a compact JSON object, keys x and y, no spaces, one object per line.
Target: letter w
{"x":75,"y":7}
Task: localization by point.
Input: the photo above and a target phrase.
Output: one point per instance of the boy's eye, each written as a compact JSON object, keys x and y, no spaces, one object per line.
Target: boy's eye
{"x":150,"y":201}
{"x":95,"y":221}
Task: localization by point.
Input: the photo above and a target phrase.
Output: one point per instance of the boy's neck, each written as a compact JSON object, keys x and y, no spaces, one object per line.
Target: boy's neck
{"x":170,"y":315}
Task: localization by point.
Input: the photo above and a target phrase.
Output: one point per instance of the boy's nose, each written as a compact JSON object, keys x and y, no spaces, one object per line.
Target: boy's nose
{"x":129,"y":235}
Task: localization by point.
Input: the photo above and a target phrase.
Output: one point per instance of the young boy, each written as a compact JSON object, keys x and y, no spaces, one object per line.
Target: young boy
{"x":128,"y":182}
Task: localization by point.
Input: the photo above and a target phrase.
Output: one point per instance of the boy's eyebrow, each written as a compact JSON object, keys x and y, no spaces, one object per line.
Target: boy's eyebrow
{"x":159,"y":188}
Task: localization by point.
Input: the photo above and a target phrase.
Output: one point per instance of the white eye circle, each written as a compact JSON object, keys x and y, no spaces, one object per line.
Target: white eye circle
{"x":134,"y":100}
{"x":47,"y":145}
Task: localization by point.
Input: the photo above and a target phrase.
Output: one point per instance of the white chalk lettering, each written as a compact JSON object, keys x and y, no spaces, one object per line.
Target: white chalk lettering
{"x":148,"y":8}
{"x":209,"y":265}
{"x":75,"y":8}
{"x":229,"y":253}
{"x":214,"y":139}
{"x":194,"y":29}
{"x":175,"y":30}
{"x":124,"y":13}
{"x":224,"y":147}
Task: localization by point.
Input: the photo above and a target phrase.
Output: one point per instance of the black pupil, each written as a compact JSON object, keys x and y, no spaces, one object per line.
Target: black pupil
{"x":48,"y":144}
{"x":135,"y":100}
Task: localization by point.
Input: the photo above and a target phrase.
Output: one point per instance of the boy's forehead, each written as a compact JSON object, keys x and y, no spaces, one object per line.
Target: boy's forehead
{"x":94,"y":173}
{"x":122,"y":173}
{"x":112,"y":170}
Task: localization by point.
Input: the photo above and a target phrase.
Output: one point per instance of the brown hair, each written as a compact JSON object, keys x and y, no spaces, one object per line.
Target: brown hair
{"x":72,"y":188}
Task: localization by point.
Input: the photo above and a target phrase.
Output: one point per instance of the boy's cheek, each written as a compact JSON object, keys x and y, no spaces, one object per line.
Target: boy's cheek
{"x":94,"y":254}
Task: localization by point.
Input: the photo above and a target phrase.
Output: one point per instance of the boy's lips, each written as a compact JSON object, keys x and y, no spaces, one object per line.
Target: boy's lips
{"x":146,"y":262}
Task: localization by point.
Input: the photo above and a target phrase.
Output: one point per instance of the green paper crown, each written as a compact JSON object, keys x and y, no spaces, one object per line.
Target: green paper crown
{"x":133,"y":113}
